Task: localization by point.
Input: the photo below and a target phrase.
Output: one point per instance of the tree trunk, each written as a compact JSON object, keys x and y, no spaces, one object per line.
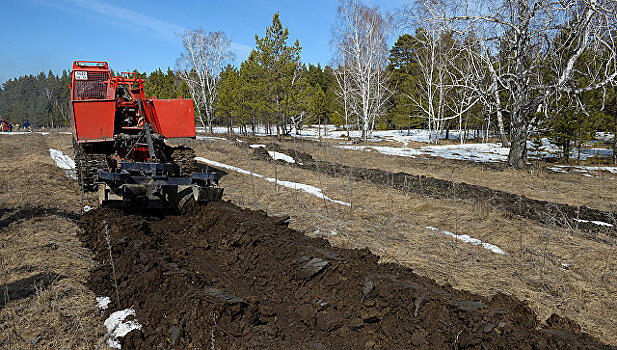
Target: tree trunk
{"x":502,"y":133}
{"x":517,"y":158}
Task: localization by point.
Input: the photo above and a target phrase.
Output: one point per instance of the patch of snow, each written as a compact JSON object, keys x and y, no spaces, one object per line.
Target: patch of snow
{"x":64,"y":162}
{"x":102,"y":302}
{"x":44,"y":133}
{"x":477,"y":152}
{"x":118,"y":328}
{"x":317,"y":192}
{"x":599,"y":223}
{"x":87,"y":208}
{"x":209,"y":138}
{"x":467,"y":239}
{"x":332,"y":132}
{"x":582,"y":169}
{"x":239,"y":141}
{"x":557,"y":169}
{"x":610,"y":169}
{"x":281,"y":156}
{"x":258,"y":146}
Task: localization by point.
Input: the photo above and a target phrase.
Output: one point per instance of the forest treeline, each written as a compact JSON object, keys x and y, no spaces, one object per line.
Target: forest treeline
{"x":430,"y":78}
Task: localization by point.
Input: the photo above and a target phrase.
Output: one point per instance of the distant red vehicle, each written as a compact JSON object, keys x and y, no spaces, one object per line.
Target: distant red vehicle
{"x":5,"y":125}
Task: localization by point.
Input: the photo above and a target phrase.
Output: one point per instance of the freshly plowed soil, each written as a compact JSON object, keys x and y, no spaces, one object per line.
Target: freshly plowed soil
{"x":224,"y":277}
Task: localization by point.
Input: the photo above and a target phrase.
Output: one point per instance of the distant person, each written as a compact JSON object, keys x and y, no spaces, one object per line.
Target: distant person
{"x":27,"y":126}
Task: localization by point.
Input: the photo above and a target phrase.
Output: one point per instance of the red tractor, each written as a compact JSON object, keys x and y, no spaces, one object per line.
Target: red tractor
{"x":119,"y":142}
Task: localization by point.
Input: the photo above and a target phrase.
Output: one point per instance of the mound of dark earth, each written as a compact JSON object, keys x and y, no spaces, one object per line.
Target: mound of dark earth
{"x":223,"y":277}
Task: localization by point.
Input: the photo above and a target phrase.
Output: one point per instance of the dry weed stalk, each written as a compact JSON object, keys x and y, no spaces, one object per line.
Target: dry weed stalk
{"x":111,"y":260}
{"x":325,"y":202}
{"x":250,"y":166}
{"x":212,"y":333}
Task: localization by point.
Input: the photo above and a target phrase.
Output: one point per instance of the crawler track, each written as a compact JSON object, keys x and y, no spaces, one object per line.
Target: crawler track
{"x":87,"y":166}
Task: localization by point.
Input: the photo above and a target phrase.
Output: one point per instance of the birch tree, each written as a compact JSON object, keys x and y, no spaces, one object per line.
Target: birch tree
{"x":200,"y":64}
{"x":344,"y":91}
{"x":528,"y":66}
{"x":360,"y":37}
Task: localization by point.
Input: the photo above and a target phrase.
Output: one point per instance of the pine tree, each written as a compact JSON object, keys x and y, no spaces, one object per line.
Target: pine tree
{"x":281,"y":68}
{"x":228,"y":95}
{"x":403,"y":81}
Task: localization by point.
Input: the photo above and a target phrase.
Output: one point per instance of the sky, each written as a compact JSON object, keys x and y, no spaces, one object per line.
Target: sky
{"x":39,"y":35}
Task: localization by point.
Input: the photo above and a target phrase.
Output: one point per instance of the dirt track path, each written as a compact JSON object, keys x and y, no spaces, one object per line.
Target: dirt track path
{"x":232,"y":278}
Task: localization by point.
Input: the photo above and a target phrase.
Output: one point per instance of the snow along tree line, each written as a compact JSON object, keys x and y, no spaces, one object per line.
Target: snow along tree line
{"x":508,"y":67}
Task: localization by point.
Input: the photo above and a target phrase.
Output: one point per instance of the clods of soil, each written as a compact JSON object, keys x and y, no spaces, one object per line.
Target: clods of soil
{"x":224,"y":277}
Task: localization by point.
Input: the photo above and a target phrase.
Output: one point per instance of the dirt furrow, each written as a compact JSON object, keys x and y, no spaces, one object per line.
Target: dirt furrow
{"x":225,"y":277}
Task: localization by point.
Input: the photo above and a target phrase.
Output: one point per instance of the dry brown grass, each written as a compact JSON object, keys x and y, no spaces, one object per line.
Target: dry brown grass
{"x":392,"y":224}
{"x":63,"y":315}
{"x":389,"y":222}
{"x":539,"y":183}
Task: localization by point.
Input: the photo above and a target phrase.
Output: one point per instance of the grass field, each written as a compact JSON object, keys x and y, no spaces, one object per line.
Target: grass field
{"x":555,"y":269}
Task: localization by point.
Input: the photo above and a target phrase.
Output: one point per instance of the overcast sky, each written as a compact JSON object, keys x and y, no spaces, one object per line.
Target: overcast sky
{"x":39,"y":35}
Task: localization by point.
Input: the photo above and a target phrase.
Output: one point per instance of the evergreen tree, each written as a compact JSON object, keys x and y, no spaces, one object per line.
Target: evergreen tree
{"x":281,"y":73}
{"x":228,"y":95}
{"x":403,"y":81}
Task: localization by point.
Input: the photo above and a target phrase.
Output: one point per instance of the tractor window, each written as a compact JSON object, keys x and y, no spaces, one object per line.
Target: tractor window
{"x":95,"y":87}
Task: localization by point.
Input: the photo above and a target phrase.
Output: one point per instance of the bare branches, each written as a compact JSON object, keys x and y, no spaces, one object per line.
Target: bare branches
{"x":200,"y":65}
{"x":533,"y":50}
{"x":360,"y":39}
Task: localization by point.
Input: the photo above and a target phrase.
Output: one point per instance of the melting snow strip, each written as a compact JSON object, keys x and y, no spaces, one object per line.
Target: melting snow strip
{"x":64,"y":162}
{"x":210,"y":138}
{"x":467,"y":239}
{"x":582,"y":168}
{"x":43,"y":133}
{"x":599,"y":223}
{"x":317,"y":192}
{"x":118,"y":328}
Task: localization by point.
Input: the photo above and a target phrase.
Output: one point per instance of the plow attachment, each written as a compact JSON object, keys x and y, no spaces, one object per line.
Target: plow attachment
{"x":148,"y":189}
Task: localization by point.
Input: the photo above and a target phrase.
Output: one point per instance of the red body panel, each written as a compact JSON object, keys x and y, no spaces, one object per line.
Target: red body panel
{"x":175,"y":117}
{"x":93,"y":120}
{"x":96,"y":105}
